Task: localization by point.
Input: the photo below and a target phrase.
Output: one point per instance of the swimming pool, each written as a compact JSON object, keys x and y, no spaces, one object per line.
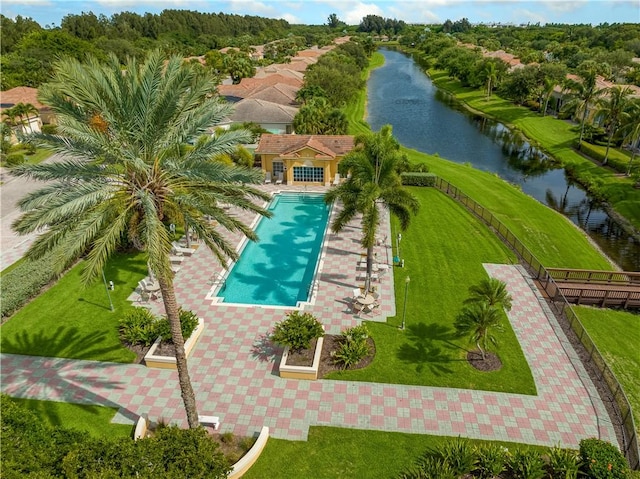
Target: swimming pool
{"x":278,"y":270}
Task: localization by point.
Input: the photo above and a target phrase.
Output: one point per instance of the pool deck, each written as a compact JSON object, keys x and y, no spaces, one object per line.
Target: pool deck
{"x":234,"y":369}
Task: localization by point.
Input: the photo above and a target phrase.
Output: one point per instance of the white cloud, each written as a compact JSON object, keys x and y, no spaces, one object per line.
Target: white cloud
{"x":420,"y":13}
{"x":353,"y":13}
{"x":292,"y":19}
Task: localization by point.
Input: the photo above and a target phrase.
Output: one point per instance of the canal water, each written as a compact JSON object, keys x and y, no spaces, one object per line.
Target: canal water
{"x":429,"y":120}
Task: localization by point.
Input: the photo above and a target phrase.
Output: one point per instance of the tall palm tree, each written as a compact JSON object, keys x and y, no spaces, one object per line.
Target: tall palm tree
{"x":491,"y":291}
{"x":631,"y":129}
{"x":479,"y":320}
{"x":374,"y":184}
{"x":491,"y":76}
{"x":127,"y":174}
{"x":582,"y":94}
{"x":22,"y":111}
{"x":547,"y":90}
{"x":612,"y":111}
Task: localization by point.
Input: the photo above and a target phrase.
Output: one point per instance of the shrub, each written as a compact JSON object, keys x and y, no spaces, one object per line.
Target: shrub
{"x":353,"y":346}
{"x":188,"y":324}
{"x":14,"y":159}
{"x":30,"y":148}
{"x":24,"y":282}
{"x":459,"y":454}
{"x":297,"y":331}
{"x":138,"y":326}
{"x":418,"y":179}
{"x":491,"y":460}
{"x":602,"y":460}
{"x":435,"y":468}
{"x":563,"y":463}
{"x":49,"y":129}
{"x":526,"y":464}
{"x":617,"y":160}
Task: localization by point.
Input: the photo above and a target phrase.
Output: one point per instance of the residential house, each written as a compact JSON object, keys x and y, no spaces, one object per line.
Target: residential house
{"x":26,"y":95}
{"x":303,"y":159}
{"x":272,"y":117}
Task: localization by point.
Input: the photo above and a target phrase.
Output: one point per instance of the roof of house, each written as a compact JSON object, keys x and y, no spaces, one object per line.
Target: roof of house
{"x":20,"y":94}
{"x":261,"y":111}
{"x":289,"y":145}
{"x":279,"y":93}
{"x":270,"y":79}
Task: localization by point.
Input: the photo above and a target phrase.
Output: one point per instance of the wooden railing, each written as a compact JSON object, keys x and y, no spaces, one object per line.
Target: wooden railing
{"x":592,"y":276}
{"x":562,"y":308}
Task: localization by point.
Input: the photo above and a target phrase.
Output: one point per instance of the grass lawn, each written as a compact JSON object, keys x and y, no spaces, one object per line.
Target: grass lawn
{"x":96,"y":420}
{"x":334,"y":452}
{"x":555,"y":136}
{"x":70,"y":320}
{"x":443,"y":249}
{"x":617,"y":336}
{"x":39,"y":156}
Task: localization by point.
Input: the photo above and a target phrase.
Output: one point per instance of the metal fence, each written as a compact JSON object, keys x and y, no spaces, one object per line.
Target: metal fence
{"x":561,"y":306}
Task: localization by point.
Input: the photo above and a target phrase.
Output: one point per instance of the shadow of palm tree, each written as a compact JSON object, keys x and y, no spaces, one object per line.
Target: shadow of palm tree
{"x":430,"y":347}
{"x":264,"y":349}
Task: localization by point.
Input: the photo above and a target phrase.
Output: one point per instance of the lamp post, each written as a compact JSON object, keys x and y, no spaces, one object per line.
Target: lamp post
{"x":406,"y":291}
{"x":106,"y":288}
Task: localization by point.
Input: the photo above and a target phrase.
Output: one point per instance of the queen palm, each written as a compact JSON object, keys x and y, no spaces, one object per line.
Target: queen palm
{"x":374,"y":183}
{"x":127,"y":174}
{"x":631,"y":129}
{"x":582,"y":94}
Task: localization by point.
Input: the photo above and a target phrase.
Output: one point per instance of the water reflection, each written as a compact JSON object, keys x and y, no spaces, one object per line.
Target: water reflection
{"x":432,"y":121}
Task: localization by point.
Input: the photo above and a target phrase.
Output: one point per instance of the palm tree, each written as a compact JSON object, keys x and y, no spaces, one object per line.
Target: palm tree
{"x":374,"y":183}
{"x":127,"y":174}
{"x":491,"y":76}
{"x":22,"y":111}
{"x":631,"y":129}
{"x":478,"y":320}
{"x":491,"y":291}
{"x":548,"y":88}
{"x":582,"y":95}
{"x":612,"y":111}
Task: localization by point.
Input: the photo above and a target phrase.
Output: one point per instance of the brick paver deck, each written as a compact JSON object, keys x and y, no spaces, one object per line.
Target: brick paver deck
{"x":234,"y":370}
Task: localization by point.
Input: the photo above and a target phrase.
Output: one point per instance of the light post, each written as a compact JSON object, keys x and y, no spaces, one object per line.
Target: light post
{"x":406,"y":291}
{"x":106,"y":288}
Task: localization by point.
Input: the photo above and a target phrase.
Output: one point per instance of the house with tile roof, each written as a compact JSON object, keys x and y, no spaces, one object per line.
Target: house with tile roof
{"x":273,"y":117}
{"x":302,"y":159}
{"x":26,"y":95}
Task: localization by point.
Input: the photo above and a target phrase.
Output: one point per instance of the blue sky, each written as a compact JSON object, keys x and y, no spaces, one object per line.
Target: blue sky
{"x":315,"y":12}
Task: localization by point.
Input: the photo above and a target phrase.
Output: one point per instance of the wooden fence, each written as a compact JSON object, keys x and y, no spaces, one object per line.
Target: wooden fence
{"x":561,"y":307}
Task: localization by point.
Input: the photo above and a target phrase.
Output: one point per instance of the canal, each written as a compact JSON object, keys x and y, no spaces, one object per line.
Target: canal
{"x":429,"y":120}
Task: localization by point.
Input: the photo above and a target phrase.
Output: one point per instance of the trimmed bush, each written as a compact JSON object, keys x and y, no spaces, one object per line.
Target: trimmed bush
{"x":138,"y":326}
{"x":297,"y":331}
{"x":602,"y":460}
{"x":49,"y":129}
{"x":24,"y":282}
{"x":418,"y":179}
{"x":31,"y":449}
{"x":353,"y":346}
{"x":616,"y":160}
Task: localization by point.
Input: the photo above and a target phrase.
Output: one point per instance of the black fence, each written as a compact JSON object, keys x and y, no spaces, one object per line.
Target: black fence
{"x":561,"y":307}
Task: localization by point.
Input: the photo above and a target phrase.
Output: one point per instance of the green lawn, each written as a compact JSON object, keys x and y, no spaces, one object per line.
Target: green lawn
{"x":70,"y":320}
{"x":557,"y":138}
{"x":617,"y":336}
{"x":443,"y":251}
{"x":334,"y":452}
{"x":96,"y":420}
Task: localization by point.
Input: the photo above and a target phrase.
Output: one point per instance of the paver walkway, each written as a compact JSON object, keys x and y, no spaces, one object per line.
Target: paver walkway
{"x":234,"y":371}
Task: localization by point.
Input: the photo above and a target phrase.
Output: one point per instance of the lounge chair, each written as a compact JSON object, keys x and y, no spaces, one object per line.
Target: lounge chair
{"x":336,"y":179}
{"x":357,"y":292}
{"x":279,"y":179}
{"x":178,"y":250}
{"x":267,"y":177}
{"x":176,"y":259}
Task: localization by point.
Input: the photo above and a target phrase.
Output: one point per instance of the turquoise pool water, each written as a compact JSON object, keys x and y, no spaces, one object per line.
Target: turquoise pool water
{"x":278,"y":270}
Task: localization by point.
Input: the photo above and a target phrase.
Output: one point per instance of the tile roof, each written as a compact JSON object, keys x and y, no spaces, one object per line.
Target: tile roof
{"x":20,"y":94}
{"x":279,"y":93}
{"x":289,"y":145}
{"x":261,"y":111}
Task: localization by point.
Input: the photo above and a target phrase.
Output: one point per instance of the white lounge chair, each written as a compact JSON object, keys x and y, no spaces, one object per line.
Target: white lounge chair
{"x":336,"y":179}
{"x":178,"y":250}
{"x":279,"y":179}
{"x":176,"y":259}
{"x":267,"y":177}
{"x":357,"y":292}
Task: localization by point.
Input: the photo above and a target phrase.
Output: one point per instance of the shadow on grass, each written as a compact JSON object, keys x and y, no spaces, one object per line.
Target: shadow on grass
{"x":430,"y":347}
{"x":65,"y":341}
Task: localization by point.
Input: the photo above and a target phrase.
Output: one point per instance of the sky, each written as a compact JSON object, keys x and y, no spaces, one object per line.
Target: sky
{"x":315,"y":12}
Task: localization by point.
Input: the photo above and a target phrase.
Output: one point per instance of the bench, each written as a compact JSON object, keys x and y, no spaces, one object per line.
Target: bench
{"x":210,"y":420}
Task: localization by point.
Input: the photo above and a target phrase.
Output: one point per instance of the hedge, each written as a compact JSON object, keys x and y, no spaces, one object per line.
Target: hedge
{"x":418,"y":179}
{"x":617,"y":159}
{"x":24,"y":282}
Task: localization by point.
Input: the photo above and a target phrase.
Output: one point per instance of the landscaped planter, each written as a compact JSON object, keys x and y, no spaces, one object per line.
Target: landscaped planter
{"x":301,"y":372}
{"x":153,"y":360}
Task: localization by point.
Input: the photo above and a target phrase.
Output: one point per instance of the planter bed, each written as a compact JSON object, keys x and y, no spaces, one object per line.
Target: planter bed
{"x":301,"y":372}
{"x":154,"y":359}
